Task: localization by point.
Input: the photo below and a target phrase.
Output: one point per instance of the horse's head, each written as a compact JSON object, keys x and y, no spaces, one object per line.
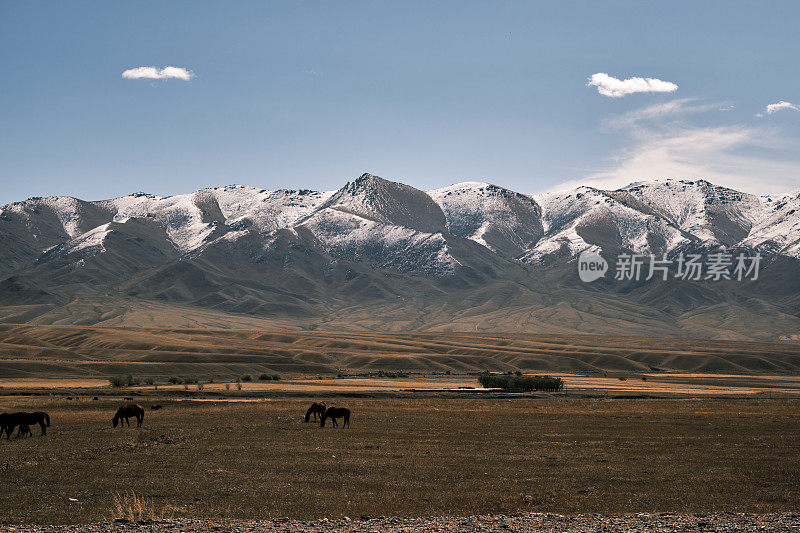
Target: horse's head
{"x":115,"y":420}
{"x":322,"y":420}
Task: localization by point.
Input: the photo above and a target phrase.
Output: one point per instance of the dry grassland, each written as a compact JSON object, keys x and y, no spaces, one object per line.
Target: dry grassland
{"x":407,"y":457}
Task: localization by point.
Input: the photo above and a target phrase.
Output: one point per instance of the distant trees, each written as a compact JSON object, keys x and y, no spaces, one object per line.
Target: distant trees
{"x":524,"y":383}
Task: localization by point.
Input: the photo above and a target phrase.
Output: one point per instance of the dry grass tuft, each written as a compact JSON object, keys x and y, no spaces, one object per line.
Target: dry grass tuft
{"x":134,"y":508}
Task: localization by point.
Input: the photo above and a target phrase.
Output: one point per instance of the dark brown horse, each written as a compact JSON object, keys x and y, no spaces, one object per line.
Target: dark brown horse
{"x":125,"y":412}
{"x":336,"y":412}
{"x":317,"y":408}
{"x":9,"y":421}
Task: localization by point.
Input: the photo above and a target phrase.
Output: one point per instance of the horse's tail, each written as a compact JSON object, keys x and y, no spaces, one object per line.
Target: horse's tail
{"x":141,"y":411}
{"x":46,"y":419}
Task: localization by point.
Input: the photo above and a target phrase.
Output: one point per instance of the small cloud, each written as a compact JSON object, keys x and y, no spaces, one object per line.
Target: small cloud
{"x":616,"y":88}
{"x":153,"y":73}
{"x":774,"y":108}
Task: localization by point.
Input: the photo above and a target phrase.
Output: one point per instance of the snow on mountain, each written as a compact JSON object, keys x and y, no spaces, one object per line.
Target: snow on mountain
{"x":192,"y":219}
{"x":590,"y":218}
{"x":90,"y":242}
{"x":353,"y":237}
{"x":53,"y":216}
{"x":497,"y":218}
{"x":778,"y":230}
{"x":712,"y":214}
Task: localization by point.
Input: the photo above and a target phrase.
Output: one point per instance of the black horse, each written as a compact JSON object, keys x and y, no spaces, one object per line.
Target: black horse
{"x":125,"y":412}
{"x":336,"y":412}
{"x":317,"y":408}
{"x":24,"y":420}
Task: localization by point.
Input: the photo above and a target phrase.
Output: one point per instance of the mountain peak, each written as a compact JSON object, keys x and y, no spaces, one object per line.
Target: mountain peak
{"x":390,"y":202}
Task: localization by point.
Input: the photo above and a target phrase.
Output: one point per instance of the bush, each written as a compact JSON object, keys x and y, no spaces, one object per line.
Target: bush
{"x":266,"y":377}
{"x":239,"y":385}
{"x":525,"y":383}
{"x":149,"y":381}
{"x":276,"y":377}
{"x":247,"y":377}
{"x":174,"y":380}
{"x":117,"y":381}
{"x":227,"y":386}
{"x":199,"y":386}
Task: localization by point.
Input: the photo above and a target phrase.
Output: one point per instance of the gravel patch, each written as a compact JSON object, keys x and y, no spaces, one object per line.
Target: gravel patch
{"x":661,"y":522}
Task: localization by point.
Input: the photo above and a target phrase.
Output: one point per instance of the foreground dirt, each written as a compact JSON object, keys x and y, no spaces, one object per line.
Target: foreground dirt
{"x":727,"y":522}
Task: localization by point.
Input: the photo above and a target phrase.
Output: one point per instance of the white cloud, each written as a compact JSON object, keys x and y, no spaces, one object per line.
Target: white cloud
{"x":774,"y":108}
{"x":616,"y":88}
{"x":662,"y":143}
{"x":153,"y":73}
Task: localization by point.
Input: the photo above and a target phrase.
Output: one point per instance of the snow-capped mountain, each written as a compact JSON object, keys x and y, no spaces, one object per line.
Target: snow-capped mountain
{"x":383,"y":219}
{"x":243,"y":249}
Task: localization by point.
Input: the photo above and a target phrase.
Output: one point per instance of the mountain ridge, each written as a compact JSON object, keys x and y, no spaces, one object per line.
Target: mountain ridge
{"x":468,"y":255}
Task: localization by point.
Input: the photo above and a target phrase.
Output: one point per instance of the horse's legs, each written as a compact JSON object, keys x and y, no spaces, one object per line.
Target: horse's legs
{"x":41,"y":424}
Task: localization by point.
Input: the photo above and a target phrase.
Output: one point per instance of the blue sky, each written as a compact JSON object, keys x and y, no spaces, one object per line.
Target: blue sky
{"x":311,"y":94}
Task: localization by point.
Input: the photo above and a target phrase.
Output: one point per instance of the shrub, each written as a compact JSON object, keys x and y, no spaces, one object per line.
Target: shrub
{"x":174,"y":380}
{"x":264,"y":377}
{"x":525,"y":383}
{"x":149,"y":381}
{"x":247,"y":377}
{"x":199,"y":386}
{"x":185,"y":387}
{"x":117,"y":381}
{"x":239,"y":385}
{"x":276,"y":377}
{"x":227,"y":386}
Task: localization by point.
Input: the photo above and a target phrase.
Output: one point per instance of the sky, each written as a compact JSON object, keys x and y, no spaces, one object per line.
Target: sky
{"x":102,"y":99}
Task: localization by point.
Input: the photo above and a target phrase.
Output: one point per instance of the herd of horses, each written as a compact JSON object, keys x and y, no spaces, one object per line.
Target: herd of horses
{"x":10,"y":421}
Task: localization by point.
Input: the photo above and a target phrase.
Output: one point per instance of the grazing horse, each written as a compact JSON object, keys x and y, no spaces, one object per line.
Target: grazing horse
{"x":125,"y":412}
{"x":9,"y":421}
{"x":336,"y":412}
{"x":317,"y":408}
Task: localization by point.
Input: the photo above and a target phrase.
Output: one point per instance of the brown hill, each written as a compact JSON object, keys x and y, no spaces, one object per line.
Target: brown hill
{"x":70,"y":351}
